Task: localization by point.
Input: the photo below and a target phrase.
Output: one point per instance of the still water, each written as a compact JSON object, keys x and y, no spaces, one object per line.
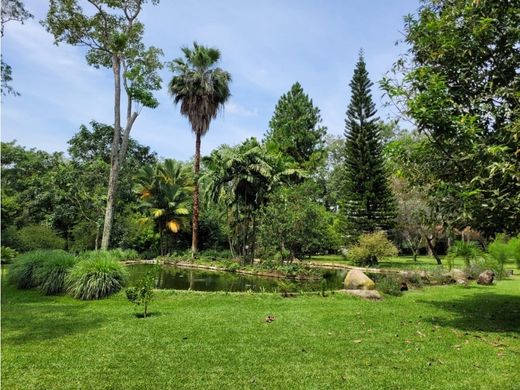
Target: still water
{"x":169,"y":277}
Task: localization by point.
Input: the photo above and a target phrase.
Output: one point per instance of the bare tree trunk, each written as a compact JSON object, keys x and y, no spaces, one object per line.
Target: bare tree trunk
{"x":114,"y":155}
{"x":195,"y":223}
{"x":432,"y":249}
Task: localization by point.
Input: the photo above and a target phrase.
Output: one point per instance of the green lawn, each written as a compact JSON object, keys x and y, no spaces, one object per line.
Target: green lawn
{"x":400,"y":262}
{"x":441,"y":337}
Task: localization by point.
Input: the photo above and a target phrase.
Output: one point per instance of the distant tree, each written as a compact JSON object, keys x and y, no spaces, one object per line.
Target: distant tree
{"x":12,"y":10}
{"x":112,"y":35}
{"x":202,"y":89}
{"x":368,"y":204}
{"x":458,"y":82}
{"x":295,"y":129}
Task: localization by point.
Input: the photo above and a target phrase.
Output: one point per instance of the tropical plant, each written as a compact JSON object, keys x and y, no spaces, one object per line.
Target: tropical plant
{"x":7,"y":254}
{"x":242,"y":178}
{"x":499,"y":253}
{"x":201,"y":88}
{"x":469,"y":252}
{"x":371,"y":248}
{"x":50,"y":275}
{"x":97,"y":275}
{"x":164,"y":192}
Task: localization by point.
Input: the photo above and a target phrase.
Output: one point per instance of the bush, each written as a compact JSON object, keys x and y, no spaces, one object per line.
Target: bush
{"x":498,"y":254}
{"x":514,"y":249}
{"x":142,"y":293}
{"x":36,"y":237}
{"x":389,"y":284}
{"x":113,"y":254}
{"x":467,"y":250}
{"x":22,"y":273}
{"x":371,"y":248}
{"x":7,"y":254}
{"x":50,"y":275}
{"x":215,"y":254}
{"x":96,"y":276}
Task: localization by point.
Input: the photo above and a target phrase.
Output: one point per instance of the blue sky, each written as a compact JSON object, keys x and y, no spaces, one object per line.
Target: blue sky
{"x":266,"y":46}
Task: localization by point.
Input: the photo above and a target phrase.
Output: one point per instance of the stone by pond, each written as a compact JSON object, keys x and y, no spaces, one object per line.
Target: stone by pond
{"x":170,"y":277}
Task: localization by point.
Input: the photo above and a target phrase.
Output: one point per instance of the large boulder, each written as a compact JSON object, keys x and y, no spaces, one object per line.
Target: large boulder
{"x":365,"y":294}
{"x":459,"y":276}
{"x":486,"y":277}
{"x":357,"y":280}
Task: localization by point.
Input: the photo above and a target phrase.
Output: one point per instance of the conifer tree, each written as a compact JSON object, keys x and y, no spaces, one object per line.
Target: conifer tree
{"x":295,"y":129}
{"x":368,"y":204}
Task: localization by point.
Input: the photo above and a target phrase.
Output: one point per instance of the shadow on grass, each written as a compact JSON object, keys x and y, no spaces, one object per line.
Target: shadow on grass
{"x":485,"y":312}
{"x":28,"y":317}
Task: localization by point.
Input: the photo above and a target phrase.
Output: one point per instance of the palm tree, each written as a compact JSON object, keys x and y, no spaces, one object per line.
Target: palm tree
{"x":202,"y":89}
{"x":164,"y":191}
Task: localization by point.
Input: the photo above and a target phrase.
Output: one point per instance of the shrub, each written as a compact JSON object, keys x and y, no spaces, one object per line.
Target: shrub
{"x":96,"y":276}
{"x":215,"y":254}
{"x":467,"y":250}
{"x":113,"y":254}
{"x":390,"y":285}
{"x":498,"y":254}
{"x":371,"y":248}
{"x":22,"y":273}
{"x":7,"y":254}
{"x":35,"y":237}
{"x":514,"y":249}
{"x":142,"y":293}
{"x":50,"y":275}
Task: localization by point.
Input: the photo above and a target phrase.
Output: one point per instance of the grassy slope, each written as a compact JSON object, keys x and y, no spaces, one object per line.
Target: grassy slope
{"x":443,"y":337}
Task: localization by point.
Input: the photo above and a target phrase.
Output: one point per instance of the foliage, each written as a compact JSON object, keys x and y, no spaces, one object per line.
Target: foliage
{"x":295,"y":129}
{"x":34,"y":237}
{"x":498,"y":252}
{"x":50,"y":275}
{"x":202,"y":89}
{"x":24,"y":271}
{"x":11,"y":10}
{"x":458,"y":83}
{"x":142,"y":293}
{"x":7,"y":254}
{"x":112,"y":34}
{"x":371,"y":248}
{"x":97,"y":275}
{"x":389,"y":284}
{"x":242,"y":178}
{"x":367,"y":202}
{"x":296,"y":222}
{"x":469,"y":251}
{"x":164,"y":191}
{"x":514,"y":249}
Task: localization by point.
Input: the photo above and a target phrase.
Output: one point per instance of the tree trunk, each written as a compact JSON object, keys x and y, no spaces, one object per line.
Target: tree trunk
{"x":195,"y":223}
{"x":114,"y":155}
{"x":431,"y":247}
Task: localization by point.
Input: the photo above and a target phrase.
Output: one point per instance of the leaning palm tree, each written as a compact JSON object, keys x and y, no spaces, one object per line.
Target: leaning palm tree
{"x":202,"y":89}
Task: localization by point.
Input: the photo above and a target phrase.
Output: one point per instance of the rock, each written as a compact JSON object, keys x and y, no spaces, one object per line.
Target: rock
{"x":486,"y":277}
{"x":459,"y":276}
{"x":357,"y":280}
{"x":365,"y":294}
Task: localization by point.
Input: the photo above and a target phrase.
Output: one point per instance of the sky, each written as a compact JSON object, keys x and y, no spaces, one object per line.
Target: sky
{"x":266,"y":45}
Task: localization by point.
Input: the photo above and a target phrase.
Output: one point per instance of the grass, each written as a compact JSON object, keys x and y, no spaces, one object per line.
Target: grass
{"x":436,"y":338}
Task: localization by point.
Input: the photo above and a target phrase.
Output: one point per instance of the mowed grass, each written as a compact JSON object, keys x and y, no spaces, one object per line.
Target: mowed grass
{"x":447,"y":337}
{"x":404,"y":262}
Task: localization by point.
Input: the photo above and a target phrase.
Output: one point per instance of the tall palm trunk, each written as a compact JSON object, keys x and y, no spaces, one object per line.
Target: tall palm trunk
{"x":195,"y":223}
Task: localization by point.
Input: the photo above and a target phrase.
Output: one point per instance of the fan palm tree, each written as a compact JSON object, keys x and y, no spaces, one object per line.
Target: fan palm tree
{"x":164,"y":191}
{"x":201,"y":88}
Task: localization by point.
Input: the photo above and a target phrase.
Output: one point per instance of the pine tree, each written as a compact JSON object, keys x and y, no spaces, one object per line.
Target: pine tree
{"x":368,"y":204}
{"x":295,"y":129}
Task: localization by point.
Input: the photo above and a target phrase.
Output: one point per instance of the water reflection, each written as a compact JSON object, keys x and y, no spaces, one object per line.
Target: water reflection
{"x":202,"y":280}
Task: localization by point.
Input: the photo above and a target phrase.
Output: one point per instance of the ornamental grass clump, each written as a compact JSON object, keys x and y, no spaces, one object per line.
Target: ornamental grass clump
{"x":22,"y":273}
{"x":50,"y":275}
{"x":96,"y":276}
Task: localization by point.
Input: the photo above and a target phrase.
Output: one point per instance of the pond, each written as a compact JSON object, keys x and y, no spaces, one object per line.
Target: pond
{"x":169,"y":277}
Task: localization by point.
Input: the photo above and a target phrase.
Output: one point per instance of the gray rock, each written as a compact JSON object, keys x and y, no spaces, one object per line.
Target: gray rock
{"x":459,"y":276}
{"x":486,"y":277}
